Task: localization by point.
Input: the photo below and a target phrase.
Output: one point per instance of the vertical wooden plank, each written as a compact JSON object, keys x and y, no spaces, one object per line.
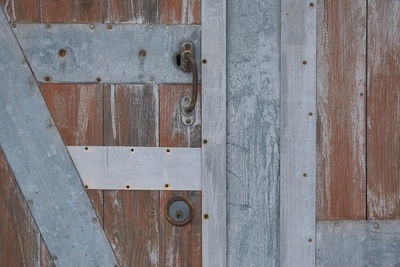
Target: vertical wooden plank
{"x":134,"y":11}
{"x":131,"y":218}
{"x":180,"y":11}
{"x":66,"y":11}
{"x":253,"y":106}
{"x":21,"y":10}
{"x":341,"y":97}
{"x":45,"y":258}
{"x":213,"y":171}
{"x":19,"y":236}
{"x":298,"y":133}
{"x":131,"y":222}
{"x":77,"y":111}
{"x":173,"y":133}
{"x":383,"y":107}
{"x":131,"y":115}
{"x":181,"y":246}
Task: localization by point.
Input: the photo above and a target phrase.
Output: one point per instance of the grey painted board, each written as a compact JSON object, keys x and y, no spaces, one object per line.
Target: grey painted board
{"x":253,"y":132}
{"x":144,"y":168}
{"x":213,"y":172}
{"x":112,"y":55}
{"x":298,"y":133}
{"x":358,"y":243}
{"x":42,"y":167}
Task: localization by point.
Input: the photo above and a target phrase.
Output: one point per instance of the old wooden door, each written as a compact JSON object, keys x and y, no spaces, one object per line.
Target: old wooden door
{"x":108,"y":73}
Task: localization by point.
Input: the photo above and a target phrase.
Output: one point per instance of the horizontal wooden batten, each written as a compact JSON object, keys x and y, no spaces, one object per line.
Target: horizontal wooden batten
{"x":358,"y":243}
{"x":118,"y":53}
{"x":138,"y":168}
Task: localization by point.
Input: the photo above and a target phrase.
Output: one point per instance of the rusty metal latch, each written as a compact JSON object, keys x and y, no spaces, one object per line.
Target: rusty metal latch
{"x":186,"y":61}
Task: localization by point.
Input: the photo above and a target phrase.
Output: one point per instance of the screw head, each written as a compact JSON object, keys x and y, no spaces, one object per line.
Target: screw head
{"x":47,"y":79}
{"x":142,"y":53}
{"x":206,"y":216}
{"x":188,"y":120}
{"x":109,"y":26}
{"x":62,"y":52}
{"x":91,"y":26}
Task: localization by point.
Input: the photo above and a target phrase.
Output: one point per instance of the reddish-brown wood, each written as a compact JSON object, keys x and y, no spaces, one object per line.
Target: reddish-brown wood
{"x":383,"y":107}
{"x":131,"y":222}
{"x":66,"y":11}
{"x":173,"y":133}
{"x":99,"y":11}
{"x":181,"y":246}
{"x":180,"y":11}
{"x":136,"y":11}
{"x":20,"y":240}
{"x":77,"y":111}
{"x":131,"y":218}
{"x":45,"y":258}
{"x":130,"y":115}
{"x":22,"y":10}
{"x":341,"y":147}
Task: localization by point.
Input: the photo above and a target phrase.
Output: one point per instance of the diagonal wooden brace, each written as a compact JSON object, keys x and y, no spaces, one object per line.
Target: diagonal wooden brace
{"x":43,"y":167}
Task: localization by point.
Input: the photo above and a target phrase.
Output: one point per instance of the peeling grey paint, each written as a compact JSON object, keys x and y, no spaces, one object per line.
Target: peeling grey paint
{"x":253,"y":132}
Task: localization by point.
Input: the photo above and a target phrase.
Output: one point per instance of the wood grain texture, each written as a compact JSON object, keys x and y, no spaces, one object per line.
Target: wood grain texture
{"x":383,"y":160}
{"x":173,"y":133}
{"x":358,"y":243}
{"x":131,"y":222}
{"x":341,"y":97}
{"x":42,"y":166}
{"x":131,"y":218}
{"x":180,"y":246}
{"x":253,"y":93}
{"x":298,"y":133}
{"x":213,"y":163}
{"x":66,"y":11}
{"x":134,"y":11}
{"x":180,"y":11}
{"x":21,"y":10}
{"x":19,"y":235}
{"x":100,"y":11}
{"x":131,"y":115}
{"x":77,"y":110}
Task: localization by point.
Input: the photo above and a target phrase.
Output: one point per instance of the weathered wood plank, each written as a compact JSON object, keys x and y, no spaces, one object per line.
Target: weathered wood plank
{"x":77,"y":110}
{"x":131,"y":222}
{"x":383,"y":160}
{"x":136,"y":11}
{"x":298,"y":133}
{"x":253,"y":132}
{"x":213,"y":49}
{"x":131,"y":115}
{"x":180,"y":11}
{"x":142,"y":168}
{"x":42,"y":167}
{"x":21,"y":10}
{"x":173,"y":132}
{"x":142,"y":54}
{"x":341,"y":97}
{"x":131,"y":218}
{"x":19,"y":236}
{"x":358,"y":243}
{"x":66,"y":11}
{"x":180,"y":246}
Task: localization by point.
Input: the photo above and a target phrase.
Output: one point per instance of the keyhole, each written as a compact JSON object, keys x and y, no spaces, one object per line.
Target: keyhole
{"x":178,"y":60}
{"x":179,"y":214}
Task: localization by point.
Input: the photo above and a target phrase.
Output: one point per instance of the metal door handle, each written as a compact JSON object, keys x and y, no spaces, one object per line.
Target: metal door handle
{"x":188,"y":64}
